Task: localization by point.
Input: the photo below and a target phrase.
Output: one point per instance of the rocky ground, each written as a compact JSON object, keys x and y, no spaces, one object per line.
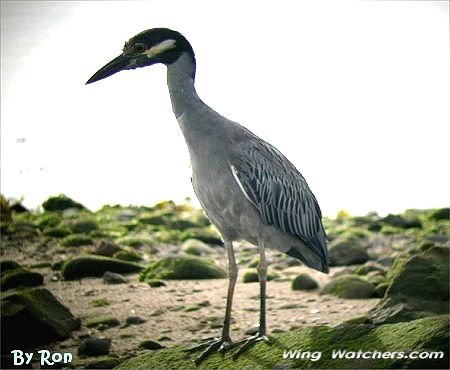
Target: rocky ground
{"x":112,"y":285}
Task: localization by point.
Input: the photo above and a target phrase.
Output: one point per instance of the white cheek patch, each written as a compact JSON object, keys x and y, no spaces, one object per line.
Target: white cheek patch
{"x":160,"y":48}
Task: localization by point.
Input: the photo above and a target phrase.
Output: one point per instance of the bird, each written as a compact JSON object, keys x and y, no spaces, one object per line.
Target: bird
{"x":247,"y":188}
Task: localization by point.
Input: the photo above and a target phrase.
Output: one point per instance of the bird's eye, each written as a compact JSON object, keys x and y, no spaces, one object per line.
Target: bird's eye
{"x":139,"y":48}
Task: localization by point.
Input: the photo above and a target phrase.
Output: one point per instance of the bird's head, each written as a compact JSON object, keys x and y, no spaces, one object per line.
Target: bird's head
{"x":157,"y":45}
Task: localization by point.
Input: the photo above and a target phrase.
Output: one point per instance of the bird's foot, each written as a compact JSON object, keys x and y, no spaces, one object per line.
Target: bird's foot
{"x":246,"y":343}
{"x":210,"y":345}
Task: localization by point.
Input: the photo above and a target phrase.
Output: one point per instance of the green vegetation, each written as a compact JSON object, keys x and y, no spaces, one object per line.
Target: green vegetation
{"x":90,"y":265}
{"x":60,"y":203}
{"x":419,"y":335}
{"x":304,"y":282}
{"x":104,"y":321}
{"x":20,"y":277}
{"x":349,"y":286}
{"x":182,"y":267}
{"x":37,"y":313}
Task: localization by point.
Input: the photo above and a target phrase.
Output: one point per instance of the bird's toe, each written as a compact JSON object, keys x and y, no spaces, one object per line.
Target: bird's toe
{"x":248,"y":342}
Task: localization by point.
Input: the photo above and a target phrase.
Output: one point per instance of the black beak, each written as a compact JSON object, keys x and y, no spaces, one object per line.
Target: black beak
{"x":116,"y":65}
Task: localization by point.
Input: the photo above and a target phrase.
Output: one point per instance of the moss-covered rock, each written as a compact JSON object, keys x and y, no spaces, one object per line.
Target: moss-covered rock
{"x":252,"y":277}
{"x":94,"y":347}
{"x":182,"y":267}
{"x":150,"y":344}
{"x":347,"y":251}
{"x":102,"y":362}
{"x":418,"y":287}
{"x":304,"y":282}
{"x":128,"y":255}
{"x":430,"y":334}
{"x":91,"y":265}
{"x":195,"y":247}
{"x":401,"y":221}
{"x":60,"y":203}
{"x":349,"y":286}
{"x":155,"y":283}
{"x":208,"y":235}
{"x":103,"y":322}
{"x":83,"y":226}
{"x":76,"y":240}
{"x":8,"y":265}
{"x":106,"y":249}
{"x":20,"y":277}
{"x":368,"y":267}
{"x":36,"y":312}
{"x":440,"y":214}
{"x":60,"y":231}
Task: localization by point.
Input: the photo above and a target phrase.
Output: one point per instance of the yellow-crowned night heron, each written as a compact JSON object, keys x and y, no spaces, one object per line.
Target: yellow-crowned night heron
{"x":246,"y":187}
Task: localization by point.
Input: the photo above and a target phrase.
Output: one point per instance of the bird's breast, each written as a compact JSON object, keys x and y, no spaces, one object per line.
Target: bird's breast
{"x":223,"y":201}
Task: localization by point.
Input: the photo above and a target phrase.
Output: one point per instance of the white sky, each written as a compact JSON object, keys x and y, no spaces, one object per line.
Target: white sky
{"x":355,"y":93}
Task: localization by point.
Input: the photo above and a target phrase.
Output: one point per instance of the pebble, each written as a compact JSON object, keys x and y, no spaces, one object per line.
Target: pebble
{"x":95,"y":347}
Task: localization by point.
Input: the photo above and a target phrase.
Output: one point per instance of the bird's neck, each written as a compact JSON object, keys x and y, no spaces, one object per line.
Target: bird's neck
{"x":180,"y":79}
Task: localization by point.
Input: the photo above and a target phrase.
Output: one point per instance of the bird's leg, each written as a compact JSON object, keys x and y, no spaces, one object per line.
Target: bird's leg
{"x":224,"y":341}
{"x":261,"y":335}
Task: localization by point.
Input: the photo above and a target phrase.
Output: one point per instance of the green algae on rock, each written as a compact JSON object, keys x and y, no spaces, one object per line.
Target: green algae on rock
{"x":349,"y":286}
{"x":304,"y":282}
{"x":61,"y":203}
{"x":418,"y":287}
{"x":20,"y":277}
{"x":92,"y":265}
{"x":429,"y":334}
{"x":36,"y":312}
{"x":347,"y":251}
{"x":182,"y":267}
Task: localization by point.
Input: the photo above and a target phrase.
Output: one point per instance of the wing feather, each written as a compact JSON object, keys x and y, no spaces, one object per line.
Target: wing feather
{"x":280,"y":193}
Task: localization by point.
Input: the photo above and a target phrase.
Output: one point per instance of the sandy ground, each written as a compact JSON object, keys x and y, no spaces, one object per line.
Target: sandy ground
{"x":170,"y":322}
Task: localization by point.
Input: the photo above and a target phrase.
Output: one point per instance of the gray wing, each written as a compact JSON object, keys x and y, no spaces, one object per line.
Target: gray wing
{"x":280,"y":193}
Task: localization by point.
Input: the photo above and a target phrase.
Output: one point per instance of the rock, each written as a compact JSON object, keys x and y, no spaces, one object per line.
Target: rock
{"x":103,"y":322}
{"x":18,"y":207}
{"x":60,"y":231}
{"x":401,"y":221}
{"x":375,"y":277}
{"x":429,"y":334}
{"x":114,"y":278}
{"x":90,"y":265}
{"x":195,"y":247}
{"x":440,"y":214}
{"x":149,"y":344}
{"x":343,"y":252}
{"x":83,"y":226}
{"x":155,"y":283}
{"x":208,"y":235}
{"x":252,"y":277}
{"x":349,"y":286}
{"x":182,"y":267}
{"x":95,"y":347}
{"x":128,"y":255}
{"x":135,"y":320}
{"x":11,"y":279}
{"x":36,"y":312}
{"x":380,"y":289}
{"x":60,"y":203}
{"x":100,"y":302}
{"x":304,"y":282}
{"x":370,"y":266}
{"x":106,"y":362}
{"x":107,"y":249}
{"x":8,"y":265}
{"x":418,"y":287}
{"x":76,"y":240}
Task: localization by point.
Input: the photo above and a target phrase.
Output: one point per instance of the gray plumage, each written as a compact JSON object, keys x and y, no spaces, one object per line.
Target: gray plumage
{"x":247,"y":188}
